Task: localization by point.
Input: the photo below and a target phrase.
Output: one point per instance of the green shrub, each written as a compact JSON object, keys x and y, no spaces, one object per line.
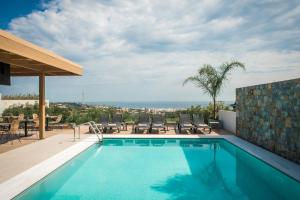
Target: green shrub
{"x":76,"y":113}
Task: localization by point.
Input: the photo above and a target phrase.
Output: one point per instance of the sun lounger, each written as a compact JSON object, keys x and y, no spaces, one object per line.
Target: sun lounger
{"x":103,"y":122}
{"x":143,"y":123}
{"x":215,"y":124}
{"x":198,"y":122}
{"x":184,"y":123}
{"x":158,"y":122}
{"x":116,"y":122}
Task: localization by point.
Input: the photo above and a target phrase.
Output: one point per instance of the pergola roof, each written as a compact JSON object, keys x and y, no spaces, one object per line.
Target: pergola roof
{"x":27,"y":59}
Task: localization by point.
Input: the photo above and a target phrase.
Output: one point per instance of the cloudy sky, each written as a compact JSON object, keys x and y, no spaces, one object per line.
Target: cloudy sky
{"x":142,"y":50}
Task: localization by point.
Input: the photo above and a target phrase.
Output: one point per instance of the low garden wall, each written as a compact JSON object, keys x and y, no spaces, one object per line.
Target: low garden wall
{"x":228,"y":119}
{"x":12,"y":103}
{"x":269,"y":115}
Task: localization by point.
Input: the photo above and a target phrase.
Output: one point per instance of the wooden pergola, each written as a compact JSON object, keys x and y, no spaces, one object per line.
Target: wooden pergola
{"x":27,"y":59}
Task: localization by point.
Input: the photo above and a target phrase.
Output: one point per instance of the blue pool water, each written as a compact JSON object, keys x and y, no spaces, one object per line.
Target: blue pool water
{"x":174,"y":169}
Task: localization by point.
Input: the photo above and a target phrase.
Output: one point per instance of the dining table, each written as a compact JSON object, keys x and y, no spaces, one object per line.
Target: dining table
{"x":6,"y":125}
{"x":30,"y":121}
{"x":26,"y":121}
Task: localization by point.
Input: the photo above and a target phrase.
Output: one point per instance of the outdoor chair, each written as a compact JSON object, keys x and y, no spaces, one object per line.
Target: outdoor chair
{"x":34,"y":126}
{"x":13,"y":131}
{"x":184,"y":123}
{"x":103,"y":122}
{"x":4,"y":129}
{"x":4,"y":126}
{"x":35,"y":117}
{"x":2,"y":133}
{"x":158,"y":122}
{"x":116,"y":122}
{"x":56,"y":123}
{"x":198,"y":122}
{"x":143,"y":123}
{"x":21,"y":117}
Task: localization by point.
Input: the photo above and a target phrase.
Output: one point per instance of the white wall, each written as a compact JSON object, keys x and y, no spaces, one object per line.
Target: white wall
{"x":229,"y":120}
{"x":12,"y":103}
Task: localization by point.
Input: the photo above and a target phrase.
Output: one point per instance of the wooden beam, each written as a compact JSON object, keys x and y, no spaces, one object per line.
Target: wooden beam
{"x":15,"y":70}
{"x":10,"y":56}
{"x":20,"y":47}
{"x":42,"y":111}
{"x":37,"y":74}
{"x":21,"y":63}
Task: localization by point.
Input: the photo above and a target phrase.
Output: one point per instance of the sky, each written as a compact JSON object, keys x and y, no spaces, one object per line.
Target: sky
{"x":143,"y":50}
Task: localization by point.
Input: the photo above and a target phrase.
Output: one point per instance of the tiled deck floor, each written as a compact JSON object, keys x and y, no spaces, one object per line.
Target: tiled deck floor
{"x":33,"y":137}
{"x":24,"y":155}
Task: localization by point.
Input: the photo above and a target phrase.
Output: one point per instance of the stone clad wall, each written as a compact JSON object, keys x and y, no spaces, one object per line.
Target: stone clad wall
{"x":269,"y":115}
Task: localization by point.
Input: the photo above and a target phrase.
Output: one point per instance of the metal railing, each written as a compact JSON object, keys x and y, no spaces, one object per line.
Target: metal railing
{"x":92,"y":127}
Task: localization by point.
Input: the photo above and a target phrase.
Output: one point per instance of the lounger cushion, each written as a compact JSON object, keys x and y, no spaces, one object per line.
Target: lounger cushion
{"x":202,"y":125}
{"x":158,"y":124}
{"x":187,"y":125}
{"x":143,"y":125}
{"x":112,"y":124}
{"x":102,"y":124}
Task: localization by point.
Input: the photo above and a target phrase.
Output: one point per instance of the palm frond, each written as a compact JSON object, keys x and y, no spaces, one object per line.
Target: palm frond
{"x":192,"y":79}
{"x":226,"y":68}
{"x":204,"y":79}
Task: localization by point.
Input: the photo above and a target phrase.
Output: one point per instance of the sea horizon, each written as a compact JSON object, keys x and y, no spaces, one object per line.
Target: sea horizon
{"x":153,"y":104}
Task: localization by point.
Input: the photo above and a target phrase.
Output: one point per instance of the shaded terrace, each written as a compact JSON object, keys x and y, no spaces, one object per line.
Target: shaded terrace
{"x":27,"y":59}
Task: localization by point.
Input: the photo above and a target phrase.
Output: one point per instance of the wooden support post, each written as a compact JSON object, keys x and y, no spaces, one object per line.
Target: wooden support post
{"x":42,"y":111}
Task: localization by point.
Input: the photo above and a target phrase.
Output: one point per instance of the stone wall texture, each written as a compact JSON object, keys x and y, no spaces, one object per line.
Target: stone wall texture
{"x":268,"y":115}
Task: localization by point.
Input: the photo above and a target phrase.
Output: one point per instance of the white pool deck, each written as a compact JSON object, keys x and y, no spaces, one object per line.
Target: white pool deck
{"x":15,"y":185}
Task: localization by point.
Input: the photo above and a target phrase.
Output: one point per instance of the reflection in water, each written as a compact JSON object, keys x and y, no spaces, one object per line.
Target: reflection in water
{"x":205,"y":176}
{"x":217,"y":166}
{"x":211,"y":176}
{"x":180,"y":187}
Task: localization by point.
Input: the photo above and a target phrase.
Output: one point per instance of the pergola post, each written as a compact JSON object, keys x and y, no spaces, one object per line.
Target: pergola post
{"x":42,"y":110}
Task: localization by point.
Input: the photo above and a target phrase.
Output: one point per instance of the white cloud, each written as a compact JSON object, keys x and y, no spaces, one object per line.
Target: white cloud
{"x":151,"y":46}
{"x":226,"y":23}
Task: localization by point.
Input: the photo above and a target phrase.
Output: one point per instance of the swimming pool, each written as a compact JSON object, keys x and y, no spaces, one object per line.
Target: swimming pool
{"x":164,"y":169}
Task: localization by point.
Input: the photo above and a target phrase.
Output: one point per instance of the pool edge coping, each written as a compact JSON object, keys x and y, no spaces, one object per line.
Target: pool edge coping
{"x":14,"y":186}
{"x":19,"y":183}
{"x":281,"y":164}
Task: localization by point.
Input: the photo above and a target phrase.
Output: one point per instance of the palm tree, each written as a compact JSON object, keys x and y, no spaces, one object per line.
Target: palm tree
{"x":211,"y":80}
